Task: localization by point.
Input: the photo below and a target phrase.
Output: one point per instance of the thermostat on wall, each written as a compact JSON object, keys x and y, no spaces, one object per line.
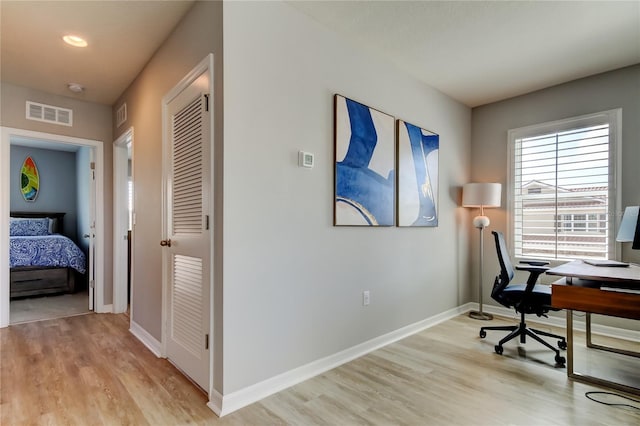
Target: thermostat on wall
{"x":305,"y":159}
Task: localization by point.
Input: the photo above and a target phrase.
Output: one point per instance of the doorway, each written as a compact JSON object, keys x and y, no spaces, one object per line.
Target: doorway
{"x":35,"y":140}
{"x":123,"y":222}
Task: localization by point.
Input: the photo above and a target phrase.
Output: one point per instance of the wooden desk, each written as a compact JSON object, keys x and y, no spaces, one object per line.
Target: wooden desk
{"x":626,"y":276}
{"x":612,"y":291}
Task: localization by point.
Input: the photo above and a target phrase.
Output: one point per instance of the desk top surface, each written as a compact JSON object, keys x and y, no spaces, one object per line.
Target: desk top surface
{"x":577,"y":268}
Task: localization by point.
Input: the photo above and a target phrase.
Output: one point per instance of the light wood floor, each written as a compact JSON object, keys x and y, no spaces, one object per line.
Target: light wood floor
{"x":89,"y":370}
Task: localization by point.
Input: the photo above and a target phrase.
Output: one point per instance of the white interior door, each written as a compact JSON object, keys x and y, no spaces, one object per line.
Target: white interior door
{"x":122,"y":169}
{"x":91,"y":270}
{"x":187,"y":243}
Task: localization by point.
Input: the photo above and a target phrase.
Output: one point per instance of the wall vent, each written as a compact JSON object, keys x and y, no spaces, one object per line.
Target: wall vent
{"x":121,"y":115}
{"x":49,"y":114}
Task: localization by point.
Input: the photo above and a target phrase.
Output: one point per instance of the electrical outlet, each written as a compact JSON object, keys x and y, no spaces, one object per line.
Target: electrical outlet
{"x":366,"y":298}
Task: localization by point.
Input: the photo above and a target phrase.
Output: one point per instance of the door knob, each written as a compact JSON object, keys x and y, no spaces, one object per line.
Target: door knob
{"x":166,"y":243}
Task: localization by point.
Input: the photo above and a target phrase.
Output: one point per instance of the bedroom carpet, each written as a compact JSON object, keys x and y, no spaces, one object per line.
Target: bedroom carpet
{"x":48,"y":307}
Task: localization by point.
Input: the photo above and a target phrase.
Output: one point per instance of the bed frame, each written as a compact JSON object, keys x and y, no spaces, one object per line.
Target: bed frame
{"x":38,"y":280}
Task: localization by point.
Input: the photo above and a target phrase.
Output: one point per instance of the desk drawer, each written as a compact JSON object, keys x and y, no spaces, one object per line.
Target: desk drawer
{"x":618,"y":304}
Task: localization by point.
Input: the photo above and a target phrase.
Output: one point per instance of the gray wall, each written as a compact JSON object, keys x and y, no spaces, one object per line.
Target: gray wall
{"x":197,"y":35}
{"x":490,"y":124}
{"x":90,"y":121}
{"x":58,"y":190}
{"x":293,"y":282}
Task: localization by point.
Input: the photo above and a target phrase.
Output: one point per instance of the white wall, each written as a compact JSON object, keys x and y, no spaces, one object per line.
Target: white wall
{"x":292,"y":282}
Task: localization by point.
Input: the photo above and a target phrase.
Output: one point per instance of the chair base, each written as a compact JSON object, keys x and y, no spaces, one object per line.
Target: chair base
{"x":521,"y":330}
{"x":480,"y":315}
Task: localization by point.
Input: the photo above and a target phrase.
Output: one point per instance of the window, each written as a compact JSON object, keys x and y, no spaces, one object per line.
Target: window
{"x":562,"y":188}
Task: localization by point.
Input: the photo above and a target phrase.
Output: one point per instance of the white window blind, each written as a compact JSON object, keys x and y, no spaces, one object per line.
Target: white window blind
{"x":563,"y":189}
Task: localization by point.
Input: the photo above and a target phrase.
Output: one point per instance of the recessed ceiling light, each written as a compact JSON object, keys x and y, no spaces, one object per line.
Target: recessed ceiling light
{"x":75,"y":87}
{"x":75,"y":41}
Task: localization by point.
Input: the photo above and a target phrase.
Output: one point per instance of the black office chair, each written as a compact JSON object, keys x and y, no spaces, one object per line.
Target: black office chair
{"x":529,"y":298}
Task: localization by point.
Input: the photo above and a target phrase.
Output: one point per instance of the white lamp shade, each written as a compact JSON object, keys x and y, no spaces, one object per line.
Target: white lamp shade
{"x":628,"y":226}
{"x":481,"y":195}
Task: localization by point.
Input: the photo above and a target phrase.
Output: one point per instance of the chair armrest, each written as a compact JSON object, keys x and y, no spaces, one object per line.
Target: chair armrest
{"x":534,"y":269}
{"x":534,"y":273}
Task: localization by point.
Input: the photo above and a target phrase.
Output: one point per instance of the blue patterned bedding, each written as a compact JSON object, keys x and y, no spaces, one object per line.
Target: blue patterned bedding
{"x":45,"y":250}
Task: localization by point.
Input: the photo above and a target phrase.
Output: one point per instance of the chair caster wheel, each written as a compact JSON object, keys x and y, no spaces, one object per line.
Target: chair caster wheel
{"x":560,"y":360}
{"x":483,"y":334}
{"x":562,"y":344}
{"x":498,"y":349}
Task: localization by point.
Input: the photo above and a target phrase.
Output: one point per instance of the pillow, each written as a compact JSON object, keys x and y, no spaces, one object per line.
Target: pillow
{"x":24,"y":227}
{"x":54,"y":225}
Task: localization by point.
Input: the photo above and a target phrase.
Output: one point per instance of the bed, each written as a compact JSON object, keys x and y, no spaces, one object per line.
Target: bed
{"x":42,"y":259}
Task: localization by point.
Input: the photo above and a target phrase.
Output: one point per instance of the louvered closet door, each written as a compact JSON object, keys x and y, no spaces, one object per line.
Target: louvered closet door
{"x":187,"y":256}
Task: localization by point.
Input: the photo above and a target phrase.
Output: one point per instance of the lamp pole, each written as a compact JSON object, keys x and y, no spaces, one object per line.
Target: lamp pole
{"x":481,"y":222}
{"x":481,"y":195}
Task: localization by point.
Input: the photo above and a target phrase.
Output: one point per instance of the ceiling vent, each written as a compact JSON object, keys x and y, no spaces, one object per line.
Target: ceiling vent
{"x":49,"y":114}
{"x":121,"y":115}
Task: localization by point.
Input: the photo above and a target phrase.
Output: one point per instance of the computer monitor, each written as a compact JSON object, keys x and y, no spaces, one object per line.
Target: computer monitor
{"x":629,"y":230}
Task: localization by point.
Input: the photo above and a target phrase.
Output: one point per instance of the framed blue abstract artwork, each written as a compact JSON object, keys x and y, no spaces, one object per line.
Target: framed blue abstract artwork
{"x":417,"y":176}
{"x":364,"y":165}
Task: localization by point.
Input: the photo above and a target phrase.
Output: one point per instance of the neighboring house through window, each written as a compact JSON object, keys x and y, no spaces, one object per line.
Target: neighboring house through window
{"x":562,"y":189}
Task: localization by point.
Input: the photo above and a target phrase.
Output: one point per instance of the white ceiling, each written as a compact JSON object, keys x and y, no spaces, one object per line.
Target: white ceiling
{"x":475,"y":51}
{"x":122,"y":36}
{"x":483,"y":51}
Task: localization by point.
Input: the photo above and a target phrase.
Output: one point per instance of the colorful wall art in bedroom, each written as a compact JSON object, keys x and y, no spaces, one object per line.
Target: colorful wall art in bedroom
{"x":29,"y":180}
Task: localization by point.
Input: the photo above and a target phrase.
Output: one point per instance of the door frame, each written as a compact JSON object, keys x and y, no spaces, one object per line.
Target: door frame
{"x":120,"y":223}
{"x":205,"y":66}
{"x":6,"y":133}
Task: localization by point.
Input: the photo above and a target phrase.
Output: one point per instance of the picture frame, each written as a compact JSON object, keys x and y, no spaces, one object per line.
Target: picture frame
{"x":364,"y":190}
{"x":418,"y":175}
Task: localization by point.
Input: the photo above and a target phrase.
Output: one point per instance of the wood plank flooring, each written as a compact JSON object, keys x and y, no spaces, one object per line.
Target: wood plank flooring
{"x":89,"y":370}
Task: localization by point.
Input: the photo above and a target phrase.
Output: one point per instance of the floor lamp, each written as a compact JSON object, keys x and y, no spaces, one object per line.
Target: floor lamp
{"x":481,"y":195}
